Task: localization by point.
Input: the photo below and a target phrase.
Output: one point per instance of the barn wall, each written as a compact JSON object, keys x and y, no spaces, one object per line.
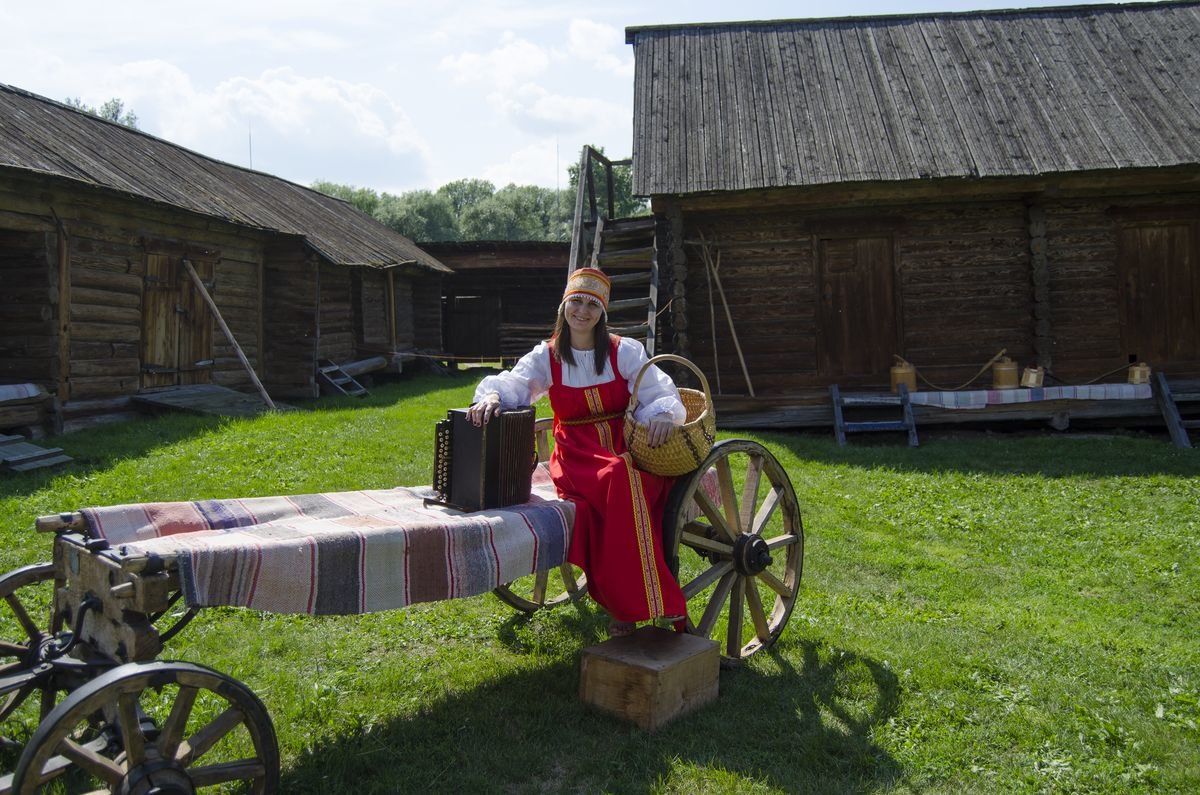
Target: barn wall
{"x":28,"y":307}
{"x":336,"y":313}
{"x":290,"y":290}
{"x":426,"y":311}
{"x":92,"y":265}
{"x":1041,"y":279}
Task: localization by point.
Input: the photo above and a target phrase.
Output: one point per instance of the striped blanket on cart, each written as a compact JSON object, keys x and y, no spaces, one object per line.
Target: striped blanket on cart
{"x":341,"y":553}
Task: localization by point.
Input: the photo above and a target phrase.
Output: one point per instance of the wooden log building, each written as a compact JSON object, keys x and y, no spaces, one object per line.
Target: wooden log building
{"x":98,"y":224}
{"x":934,"y":186}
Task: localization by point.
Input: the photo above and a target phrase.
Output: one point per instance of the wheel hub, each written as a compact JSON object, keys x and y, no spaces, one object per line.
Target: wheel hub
{"x":750,"y":554}
{"x":157,"y":778}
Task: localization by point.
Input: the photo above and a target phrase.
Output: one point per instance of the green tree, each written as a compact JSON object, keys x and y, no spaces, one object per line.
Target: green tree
{"x":364,"y":199}
{"x":113,"y":110}
{"x":422,"y":216}
{"x":464,"y":193}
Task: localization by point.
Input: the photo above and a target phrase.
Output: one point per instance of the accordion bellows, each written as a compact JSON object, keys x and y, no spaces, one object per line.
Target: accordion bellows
{"x":486,"y":467}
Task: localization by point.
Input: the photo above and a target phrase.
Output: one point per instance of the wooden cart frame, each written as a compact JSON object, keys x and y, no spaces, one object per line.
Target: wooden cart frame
{"x":110,"y":712}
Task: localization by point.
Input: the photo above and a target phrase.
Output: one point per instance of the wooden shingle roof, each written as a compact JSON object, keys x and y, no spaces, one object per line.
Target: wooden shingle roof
{"x":746,"y":105}
{"x":44,"y":137}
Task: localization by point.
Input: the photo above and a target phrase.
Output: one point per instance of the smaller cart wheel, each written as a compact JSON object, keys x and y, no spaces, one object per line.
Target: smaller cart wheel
{"x":738,"y":514}
{"x":27,"y":593}
{"x":549,"y":588}
{"x":158,"y":727}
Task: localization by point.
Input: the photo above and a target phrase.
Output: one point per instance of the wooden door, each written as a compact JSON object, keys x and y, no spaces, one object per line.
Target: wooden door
{"x":176,"y":324}
{"x":856,"y":321}
{"x":475,"y":326}
{"x":1160,"y":292}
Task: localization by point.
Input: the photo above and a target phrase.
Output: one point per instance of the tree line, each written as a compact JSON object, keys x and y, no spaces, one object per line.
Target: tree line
{"x":474,"y":209}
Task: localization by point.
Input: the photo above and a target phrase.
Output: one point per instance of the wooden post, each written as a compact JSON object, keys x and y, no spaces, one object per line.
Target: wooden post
{"x":212,"y":306}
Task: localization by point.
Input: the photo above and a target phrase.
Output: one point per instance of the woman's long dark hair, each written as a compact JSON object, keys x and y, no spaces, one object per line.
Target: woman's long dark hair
{"x":560,"y":342}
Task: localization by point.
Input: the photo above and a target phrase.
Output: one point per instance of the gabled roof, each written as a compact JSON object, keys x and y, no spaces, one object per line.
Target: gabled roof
{"x":45,"y":137}
{"x":745,"y":105}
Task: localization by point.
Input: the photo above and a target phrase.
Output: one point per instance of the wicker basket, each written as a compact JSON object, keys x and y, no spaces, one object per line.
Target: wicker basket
{"x":688,"y":446}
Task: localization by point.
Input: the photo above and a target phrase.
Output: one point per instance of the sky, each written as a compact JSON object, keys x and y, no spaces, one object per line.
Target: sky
{"x":393,"y":96}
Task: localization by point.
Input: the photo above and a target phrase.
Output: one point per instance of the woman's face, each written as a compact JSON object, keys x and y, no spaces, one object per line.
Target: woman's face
{"x":581,"y":314}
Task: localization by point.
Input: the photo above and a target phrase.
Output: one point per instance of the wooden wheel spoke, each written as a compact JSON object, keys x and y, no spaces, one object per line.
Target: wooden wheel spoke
{"x":712,"y":611}
{"x":713,"y":514}
{"x":733,"y":629}
{"x":707,"y":578}
{"x":241,"y":770}
{"x":202,"y":741}
{"x":176,"y":723}
{"x":782,"y":541}
{"x":729,"y":500}
{"x":762,"y":627}
{"x":10,"y":649}
{"x":754,"y":469}
{"x":31,"y":629}
{"x":91,"y":760}
{"x":766,"y":511}
{"x":539,"y":586}
{"x":775,"y":584}
{"x":132,"y":739}
{"x":704,"y":542}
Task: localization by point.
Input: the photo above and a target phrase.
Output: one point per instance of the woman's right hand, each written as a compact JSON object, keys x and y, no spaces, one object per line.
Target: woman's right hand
{"x":485,"y":409}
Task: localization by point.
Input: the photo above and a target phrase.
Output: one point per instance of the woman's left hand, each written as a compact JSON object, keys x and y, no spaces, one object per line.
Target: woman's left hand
{"x":659,"y":429}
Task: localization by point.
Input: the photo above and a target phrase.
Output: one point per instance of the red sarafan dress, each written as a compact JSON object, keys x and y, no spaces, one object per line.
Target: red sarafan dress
{"x":617,"y":536}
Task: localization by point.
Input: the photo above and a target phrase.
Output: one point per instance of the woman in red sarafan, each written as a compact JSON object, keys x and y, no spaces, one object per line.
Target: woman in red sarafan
{"x":588,"y":373}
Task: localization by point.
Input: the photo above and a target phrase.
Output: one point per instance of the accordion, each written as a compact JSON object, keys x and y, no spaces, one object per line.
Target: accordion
{"x":486,"y":467}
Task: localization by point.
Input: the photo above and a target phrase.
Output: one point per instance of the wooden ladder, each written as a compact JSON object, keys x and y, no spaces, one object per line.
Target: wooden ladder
{"x":1168,"y":404}
{"x":631,"y":244}
{"x":336,"y":381}
{"x":841,"y":426}
{"x":633,"y":304}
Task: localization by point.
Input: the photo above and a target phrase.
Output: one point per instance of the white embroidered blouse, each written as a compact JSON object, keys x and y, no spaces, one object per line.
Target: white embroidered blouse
{"x":530,"y":379}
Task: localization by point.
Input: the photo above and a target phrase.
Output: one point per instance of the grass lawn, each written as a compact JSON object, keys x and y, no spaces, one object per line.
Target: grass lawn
{"x":985,"y":613}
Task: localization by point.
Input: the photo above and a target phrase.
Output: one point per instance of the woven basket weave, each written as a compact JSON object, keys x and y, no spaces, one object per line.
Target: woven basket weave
{"x":689,"y":444}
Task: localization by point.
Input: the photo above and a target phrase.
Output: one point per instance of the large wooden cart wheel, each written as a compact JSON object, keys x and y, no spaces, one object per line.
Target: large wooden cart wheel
{"x":26,"y":626}
{"x":549,"y":588}
{"x":734,"y":539}
{"x":160,"y":727}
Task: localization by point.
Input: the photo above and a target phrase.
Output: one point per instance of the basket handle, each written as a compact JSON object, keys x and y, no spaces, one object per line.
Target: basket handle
{"x":668,"y":357}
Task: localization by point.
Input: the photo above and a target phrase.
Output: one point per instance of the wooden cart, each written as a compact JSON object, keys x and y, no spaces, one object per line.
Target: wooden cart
{"x":114,"y":716}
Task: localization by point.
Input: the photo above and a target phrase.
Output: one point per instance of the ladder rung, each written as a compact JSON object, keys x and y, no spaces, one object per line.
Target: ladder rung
{"x":876,"y":425}
{"x":639,"y":277}
{"x":871,"y":400}
{"x":1190,"y":423}
{"x":628,"y":303}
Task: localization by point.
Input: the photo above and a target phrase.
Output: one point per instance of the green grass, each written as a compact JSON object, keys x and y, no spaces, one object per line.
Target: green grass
{"x":981,"y":614}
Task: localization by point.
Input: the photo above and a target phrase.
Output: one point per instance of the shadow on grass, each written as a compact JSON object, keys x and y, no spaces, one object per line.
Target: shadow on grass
{"x":800,"y":723}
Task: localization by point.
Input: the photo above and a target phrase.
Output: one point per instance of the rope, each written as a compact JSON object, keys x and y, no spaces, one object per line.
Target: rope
{"x":963,"y":385}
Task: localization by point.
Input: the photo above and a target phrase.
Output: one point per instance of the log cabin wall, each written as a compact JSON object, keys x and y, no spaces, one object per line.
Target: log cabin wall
{"x":1060,"y":283}
{"x":28,"y":303}
{"x":371,"y":307}
{"x":336,"y":313}
{"x":290,"y":292}
{"x":96,"y":334}
{"x":426,"y":310}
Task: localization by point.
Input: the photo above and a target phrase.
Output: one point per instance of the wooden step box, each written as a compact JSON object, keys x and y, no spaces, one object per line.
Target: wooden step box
{"x":651,"y":676}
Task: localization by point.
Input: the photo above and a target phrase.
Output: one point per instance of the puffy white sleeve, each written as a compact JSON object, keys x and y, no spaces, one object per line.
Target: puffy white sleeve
{"x":527,"y":381}
{"x":657,"y":393}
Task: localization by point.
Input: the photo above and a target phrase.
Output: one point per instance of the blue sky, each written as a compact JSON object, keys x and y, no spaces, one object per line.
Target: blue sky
{"x":393,"y":96}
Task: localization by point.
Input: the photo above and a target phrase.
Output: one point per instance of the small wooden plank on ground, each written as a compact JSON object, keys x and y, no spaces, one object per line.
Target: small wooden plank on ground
{"x":205,"y":399}
{"x":19,"y":455}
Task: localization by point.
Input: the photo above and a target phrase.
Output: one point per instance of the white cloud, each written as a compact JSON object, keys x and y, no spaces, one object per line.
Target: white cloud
{"x":538,"y":163}
{"x":533,"y":108}
{"x":513,"y":62}
{"x":602,"y":46}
